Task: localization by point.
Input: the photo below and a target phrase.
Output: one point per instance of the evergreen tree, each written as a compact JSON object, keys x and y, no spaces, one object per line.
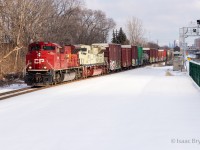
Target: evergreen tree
{"x":114,"y":39}
{"x":121,"y":37}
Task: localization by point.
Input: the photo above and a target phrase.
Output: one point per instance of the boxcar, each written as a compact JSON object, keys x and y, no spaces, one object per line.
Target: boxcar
{"x":126,"y":56}
{"x":146,"y":53}
{"x":160,"y":55}
{"x":152,"y":55}
{"x":164,"y":55}
{"x":156,"y":55}
{"x":113,"y":54}
{"x":140,"y":55}
{"x":134,"y":55}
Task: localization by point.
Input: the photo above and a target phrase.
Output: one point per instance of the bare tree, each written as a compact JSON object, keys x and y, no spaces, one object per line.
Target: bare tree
{"x":94,"y":26}
{"x":152,"y":45}
{"x":62,"y":26}
{"x":20,"y":20}
{"x":135,"y":31}
{"x":61,"y":21}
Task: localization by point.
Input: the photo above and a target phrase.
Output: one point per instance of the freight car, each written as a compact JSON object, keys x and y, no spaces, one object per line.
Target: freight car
{"x":146,"y":56}
{"x":162,"y":55}
{"x":126,"y":56}
{"x":49,"y":63}
{"x":134,"y":55}
{"x":140,"y":55}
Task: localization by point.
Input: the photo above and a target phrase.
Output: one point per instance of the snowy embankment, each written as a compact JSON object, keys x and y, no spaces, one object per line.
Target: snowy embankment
{"x":12,"y":87}
{"x":144,"y":109}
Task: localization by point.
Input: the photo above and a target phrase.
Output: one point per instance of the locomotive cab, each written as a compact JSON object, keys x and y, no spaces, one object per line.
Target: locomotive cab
{"x":42,"y":58}
{"x":49,"y":63}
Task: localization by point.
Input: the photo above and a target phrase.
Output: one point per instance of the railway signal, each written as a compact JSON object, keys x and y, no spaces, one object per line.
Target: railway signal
{"x":186,"y":32}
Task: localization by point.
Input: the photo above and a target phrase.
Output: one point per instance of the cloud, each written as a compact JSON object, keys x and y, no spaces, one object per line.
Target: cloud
{"x":161,"y":18}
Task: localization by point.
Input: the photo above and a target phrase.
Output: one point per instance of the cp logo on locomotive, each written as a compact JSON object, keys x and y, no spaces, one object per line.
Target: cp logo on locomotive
{"x":38,"y":61}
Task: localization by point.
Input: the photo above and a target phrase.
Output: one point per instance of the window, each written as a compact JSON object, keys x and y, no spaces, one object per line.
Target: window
{"x":84,"y":49}
{"x":35,"y":48}
{"x":48,"y":47}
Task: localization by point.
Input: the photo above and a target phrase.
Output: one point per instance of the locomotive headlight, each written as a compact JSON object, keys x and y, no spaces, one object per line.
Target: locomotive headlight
{"x":39,"y":54}
{"x":45,"y":67}
{"x":29,"y":67}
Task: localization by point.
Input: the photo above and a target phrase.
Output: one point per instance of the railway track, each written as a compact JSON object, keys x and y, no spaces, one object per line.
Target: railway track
{"x":22,"y":91}
{"x":18,"y":92}
{"x":14,"y":93}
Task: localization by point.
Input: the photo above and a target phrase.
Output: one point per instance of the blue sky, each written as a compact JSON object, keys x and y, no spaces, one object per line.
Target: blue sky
{"x":161,"y":18}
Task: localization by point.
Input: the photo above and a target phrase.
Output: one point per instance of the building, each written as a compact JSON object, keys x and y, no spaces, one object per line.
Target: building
{"x":197,"y":43}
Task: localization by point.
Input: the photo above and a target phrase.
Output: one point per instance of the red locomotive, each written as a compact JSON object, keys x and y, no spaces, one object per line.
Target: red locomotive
{"x":45,"y":60}
{"x":49,"y":63}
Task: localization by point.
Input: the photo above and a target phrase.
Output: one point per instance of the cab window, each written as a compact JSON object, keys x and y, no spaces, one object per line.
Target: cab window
{"x":48,"y":47}
{"x":35,"y":48}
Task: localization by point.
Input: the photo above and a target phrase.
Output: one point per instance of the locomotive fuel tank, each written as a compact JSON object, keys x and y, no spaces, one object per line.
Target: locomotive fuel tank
{"x":69,"y":76}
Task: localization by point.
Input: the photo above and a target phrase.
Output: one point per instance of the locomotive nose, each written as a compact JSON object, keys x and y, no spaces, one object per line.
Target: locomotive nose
{"x":36,"y":61}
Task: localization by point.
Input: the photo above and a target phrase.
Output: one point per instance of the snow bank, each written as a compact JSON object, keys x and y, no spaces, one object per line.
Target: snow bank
{"x":12,"y":87}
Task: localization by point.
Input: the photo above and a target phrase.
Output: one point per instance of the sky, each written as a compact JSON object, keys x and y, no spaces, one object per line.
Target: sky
{"x":161,"y":18}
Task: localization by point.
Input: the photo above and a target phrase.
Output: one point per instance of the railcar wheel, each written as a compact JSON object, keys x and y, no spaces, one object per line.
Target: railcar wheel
{"x":58,"y":78}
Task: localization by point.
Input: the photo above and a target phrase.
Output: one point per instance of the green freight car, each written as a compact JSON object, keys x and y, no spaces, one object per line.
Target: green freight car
{"x":140,"y":55}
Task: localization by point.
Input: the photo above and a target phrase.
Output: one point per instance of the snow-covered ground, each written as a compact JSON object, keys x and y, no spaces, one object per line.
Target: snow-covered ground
{"x":151,"y":108}
{"x":11,"y":87}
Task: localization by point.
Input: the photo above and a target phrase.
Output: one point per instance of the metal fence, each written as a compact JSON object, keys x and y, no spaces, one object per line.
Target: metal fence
{"x":195,"y":72}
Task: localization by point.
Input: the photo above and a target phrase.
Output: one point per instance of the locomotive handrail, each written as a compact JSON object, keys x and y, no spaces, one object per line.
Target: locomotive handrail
{"x":24,"y":70}
{"x":49,"y":64}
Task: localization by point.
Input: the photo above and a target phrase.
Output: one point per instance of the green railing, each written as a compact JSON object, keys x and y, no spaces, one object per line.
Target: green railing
{"x":195,"y":72}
